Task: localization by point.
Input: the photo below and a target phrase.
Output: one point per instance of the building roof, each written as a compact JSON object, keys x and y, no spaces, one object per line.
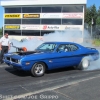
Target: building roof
{"x":40,"y":2}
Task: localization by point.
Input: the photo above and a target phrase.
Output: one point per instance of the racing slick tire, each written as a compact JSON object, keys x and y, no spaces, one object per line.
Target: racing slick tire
{"x":85,"y":63}
{"x":38,"y":69}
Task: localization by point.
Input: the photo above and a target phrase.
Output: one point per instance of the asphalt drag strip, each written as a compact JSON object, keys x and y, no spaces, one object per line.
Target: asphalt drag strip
{"x":84,"y":90}
{"x":65,"y":84}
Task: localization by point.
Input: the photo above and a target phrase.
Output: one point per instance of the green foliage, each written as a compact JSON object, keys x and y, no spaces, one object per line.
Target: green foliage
{"x":96,"y":42}
{"x":87,"y":16}
{"x":92,"y":13}
{"x":1,"y":32}
{"x":98,"y":11}
{"x":98,"y":20}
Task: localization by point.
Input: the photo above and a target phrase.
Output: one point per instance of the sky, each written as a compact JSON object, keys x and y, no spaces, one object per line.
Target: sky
{"x":89,"y":3}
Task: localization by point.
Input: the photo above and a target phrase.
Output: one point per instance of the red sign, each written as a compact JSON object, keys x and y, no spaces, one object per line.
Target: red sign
{"x":51,"y":27}
{"x":44,"y":27}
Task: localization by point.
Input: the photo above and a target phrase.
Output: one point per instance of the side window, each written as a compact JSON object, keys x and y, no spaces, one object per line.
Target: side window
{"x":73,"y":47}
{"x":63,"y":47}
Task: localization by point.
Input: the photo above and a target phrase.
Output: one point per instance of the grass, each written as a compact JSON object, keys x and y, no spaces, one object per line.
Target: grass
{"x":96,"y":42}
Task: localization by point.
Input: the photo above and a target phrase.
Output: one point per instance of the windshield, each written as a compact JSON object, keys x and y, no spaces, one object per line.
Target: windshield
{"x":46,"y":47}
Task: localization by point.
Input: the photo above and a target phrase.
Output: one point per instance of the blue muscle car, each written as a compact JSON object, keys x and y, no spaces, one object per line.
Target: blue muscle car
{"x":52,"y":55}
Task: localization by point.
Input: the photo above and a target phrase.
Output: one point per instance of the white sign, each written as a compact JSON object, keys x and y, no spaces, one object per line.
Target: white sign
{"x":50,"y":15}
{"x":50,"y":27}
{"x":72,"y":15}
{"x":72,"y":27}
{"x":30,"y":27}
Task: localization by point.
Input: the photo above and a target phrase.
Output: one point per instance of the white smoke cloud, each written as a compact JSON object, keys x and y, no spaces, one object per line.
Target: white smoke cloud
{"x":95,"y":65}
{"x":65,"y":36}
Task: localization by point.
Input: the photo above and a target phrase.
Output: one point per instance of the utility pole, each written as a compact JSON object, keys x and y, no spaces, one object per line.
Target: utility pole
{"x":91,"y":27}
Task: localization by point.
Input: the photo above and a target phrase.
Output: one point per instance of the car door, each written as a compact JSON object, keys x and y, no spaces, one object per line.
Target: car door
{"x":76,"y":53}
{"x":63,"y":57}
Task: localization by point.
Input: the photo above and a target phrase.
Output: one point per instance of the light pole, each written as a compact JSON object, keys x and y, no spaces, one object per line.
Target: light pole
{"x":87,"y":27}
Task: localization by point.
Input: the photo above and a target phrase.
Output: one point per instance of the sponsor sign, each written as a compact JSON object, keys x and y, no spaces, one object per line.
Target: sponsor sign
{"x":34,"y":37}
{"x":50,"y":27}
{"x":30,"y":27}
{"x":31,"y":15}
{"x":12,"y":15}
{"x":50,"y":15}
{"x":12,"y":26}
{"x":72,"y":27}
{"x":72,"y":15}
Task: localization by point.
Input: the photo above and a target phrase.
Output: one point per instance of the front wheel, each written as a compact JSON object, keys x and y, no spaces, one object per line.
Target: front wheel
{"x":38,"y":69}
{"x":84,"y":64}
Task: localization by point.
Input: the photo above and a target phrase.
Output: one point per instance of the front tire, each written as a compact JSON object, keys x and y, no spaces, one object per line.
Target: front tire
{"x":84,"y":64}
{"x":38,"y":69}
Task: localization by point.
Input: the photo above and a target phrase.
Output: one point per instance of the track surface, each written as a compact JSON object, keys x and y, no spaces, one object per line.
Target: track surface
{"x":65,"y":84}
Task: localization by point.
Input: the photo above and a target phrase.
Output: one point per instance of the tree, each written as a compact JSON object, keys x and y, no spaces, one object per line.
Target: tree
{"x":1,"y":31}
{"x":98,"y":11}
{"x":98,"y":18}
{"x":91,"y":13}
{"x":87,"y":16}
{"x":98,"y":21}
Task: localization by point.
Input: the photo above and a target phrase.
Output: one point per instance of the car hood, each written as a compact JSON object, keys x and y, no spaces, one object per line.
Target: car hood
{"x":27,"y":56}
{"x":37,"y":56}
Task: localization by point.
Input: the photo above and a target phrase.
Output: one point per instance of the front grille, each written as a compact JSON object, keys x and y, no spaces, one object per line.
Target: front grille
{"x":8,"y":58}
{"x":14,"y":60}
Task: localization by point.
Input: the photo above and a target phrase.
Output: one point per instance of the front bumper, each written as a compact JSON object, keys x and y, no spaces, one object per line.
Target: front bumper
{"x":15,"y":65}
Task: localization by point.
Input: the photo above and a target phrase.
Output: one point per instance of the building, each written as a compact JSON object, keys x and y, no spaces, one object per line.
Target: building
{"x":38,"y":17}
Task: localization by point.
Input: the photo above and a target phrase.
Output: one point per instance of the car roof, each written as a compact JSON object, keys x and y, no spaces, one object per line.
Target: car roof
{"x":61,"y":42}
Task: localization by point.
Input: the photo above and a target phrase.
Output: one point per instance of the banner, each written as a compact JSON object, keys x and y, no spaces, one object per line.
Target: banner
{"x":51,"y":15}
{"x":11,"y":27}
{"x":12,"y":15}
{"x":72,"y":27}
{"x":30,"y":27}
{"x":31,"y":15}
{"x":50,"y":27}
{"x":72,"y":15}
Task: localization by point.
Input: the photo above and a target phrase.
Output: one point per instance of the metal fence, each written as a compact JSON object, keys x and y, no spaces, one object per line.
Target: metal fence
{"x":94,"y":31}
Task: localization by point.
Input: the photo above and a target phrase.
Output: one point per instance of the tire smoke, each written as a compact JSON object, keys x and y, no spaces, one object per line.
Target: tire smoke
{"x":65,"y":36}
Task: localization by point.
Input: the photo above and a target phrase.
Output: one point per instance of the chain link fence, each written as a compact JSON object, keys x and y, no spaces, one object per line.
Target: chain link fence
{"x":94,"y":31}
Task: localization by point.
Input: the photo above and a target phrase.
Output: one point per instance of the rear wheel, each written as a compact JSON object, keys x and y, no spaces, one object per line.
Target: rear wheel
{"x":84,"y":64}
{"x":38,"y":69}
